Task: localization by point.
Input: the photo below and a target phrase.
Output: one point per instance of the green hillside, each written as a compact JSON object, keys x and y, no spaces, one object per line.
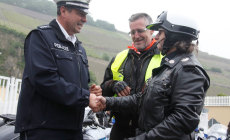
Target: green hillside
{"x":99,"y":43}
{"x":94,"y":38}
{"x":219,"y":71}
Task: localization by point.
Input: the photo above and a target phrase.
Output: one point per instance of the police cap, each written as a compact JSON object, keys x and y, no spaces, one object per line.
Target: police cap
{"x":82,"y":5}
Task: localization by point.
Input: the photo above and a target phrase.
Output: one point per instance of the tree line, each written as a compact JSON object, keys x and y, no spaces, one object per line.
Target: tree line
{"x":50,"y":8}
{"x":11,"y":52}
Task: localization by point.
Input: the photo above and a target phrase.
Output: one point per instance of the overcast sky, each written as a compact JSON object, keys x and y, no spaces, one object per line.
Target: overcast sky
{"x":212,"y":16}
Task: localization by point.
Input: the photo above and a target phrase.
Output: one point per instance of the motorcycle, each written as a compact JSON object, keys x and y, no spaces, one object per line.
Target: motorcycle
{"x":7,"y":127}
{"x":95,"y":126}
{"x":216,"y":132}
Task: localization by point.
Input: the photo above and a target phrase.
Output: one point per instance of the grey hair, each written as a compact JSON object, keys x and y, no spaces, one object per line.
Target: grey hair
{"x":137,"y":16}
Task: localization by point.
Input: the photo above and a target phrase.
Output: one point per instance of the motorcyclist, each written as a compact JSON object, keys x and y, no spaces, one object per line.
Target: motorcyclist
{"x":172,"y":101}
{"x":228,"y":132}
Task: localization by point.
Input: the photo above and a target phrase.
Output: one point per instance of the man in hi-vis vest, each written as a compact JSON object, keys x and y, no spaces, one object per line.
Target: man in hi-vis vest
{"x":129,"y":70}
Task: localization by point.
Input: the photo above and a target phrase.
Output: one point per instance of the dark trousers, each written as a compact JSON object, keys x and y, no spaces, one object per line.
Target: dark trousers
{"x":51,"y":134}
{"x":119,"y":132}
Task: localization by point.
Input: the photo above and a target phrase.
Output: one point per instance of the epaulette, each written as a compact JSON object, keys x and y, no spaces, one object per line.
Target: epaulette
{"x":187,"y":61}
{"x":44,"y":27}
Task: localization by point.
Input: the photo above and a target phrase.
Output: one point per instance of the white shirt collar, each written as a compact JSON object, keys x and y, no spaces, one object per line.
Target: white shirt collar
{"x":67,"y":36}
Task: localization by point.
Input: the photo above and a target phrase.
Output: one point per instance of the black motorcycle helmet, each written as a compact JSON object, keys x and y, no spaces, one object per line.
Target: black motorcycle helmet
{"x":177,"y":28}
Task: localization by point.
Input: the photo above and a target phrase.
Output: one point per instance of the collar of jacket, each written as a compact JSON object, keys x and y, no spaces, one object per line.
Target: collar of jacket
{"x":172,"y":59}
{"x":59,"y":33}
{"x":153,"y":50}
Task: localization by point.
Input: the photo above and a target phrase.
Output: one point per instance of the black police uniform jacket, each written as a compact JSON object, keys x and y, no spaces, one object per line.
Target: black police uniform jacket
{"x":133,"y":69}
{"x":54,"y":91}
{"x":170,"y":106}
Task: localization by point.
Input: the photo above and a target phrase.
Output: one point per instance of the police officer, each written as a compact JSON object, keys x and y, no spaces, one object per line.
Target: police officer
{"x":129,"y":70}
{"x":55,"y":90}
{"x":172,"y":101}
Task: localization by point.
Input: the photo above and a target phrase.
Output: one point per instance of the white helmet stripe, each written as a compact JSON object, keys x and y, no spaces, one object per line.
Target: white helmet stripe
{"x":77,"y":4}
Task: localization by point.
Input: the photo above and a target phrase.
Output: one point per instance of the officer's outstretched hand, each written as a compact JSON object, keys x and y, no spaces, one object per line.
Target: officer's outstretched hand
{"x":95,"y":89}
{"x":95,"y":103}
{"x":121,"y":88}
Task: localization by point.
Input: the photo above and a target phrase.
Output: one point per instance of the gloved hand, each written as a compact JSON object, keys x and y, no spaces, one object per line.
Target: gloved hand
{"x":121,"y":88}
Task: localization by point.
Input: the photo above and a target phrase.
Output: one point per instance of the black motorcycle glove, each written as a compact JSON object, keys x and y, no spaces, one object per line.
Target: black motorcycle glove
{"x":119,"y":86}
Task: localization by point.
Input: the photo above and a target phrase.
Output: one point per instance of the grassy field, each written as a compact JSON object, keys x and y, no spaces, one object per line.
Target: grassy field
{"x":98,"y":42}
{"x":13,"y":18}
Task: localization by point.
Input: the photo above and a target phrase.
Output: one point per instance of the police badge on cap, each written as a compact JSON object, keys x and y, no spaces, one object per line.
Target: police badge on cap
{"x":82,"y":5}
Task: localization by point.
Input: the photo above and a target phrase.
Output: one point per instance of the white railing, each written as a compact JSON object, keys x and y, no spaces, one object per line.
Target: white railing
{"x":9,"y":91}
{"x":217,"y":101}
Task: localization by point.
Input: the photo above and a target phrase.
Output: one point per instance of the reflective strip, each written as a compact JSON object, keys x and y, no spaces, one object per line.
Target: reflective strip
{"x":117,"y":64}
{"x":77,"y":4}
{"x":154,"y":63}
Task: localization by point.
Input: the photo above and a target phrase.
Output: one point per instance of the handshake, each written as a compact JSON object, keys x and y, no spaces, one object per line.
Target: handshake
{"x":96,"y":101}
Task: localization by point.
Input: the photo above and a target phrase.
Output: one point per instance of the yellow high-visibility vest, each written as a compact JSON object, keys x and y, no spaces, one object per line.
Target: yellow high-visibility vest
{"x":120,"y":58}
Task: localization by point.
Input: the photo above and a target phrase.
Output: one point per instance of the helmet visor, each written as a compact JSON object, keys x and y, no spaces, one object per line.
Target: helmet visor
{"x":155,"y":26}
